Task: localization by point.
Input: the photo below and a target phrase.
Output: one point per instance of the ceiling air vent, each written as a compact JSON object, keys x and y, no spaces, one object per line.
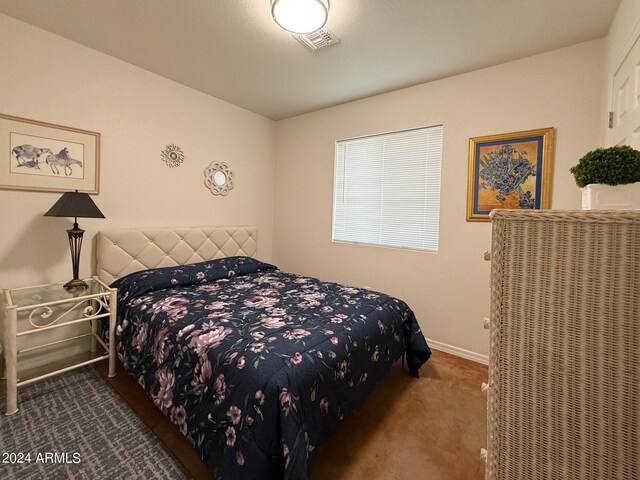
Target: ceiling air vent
{"x":316,"y":40}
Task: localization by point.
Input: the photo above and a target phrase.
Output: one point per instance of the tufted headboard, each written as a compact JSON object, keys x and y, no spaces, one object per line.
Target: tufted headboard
{"x":124,"y":250}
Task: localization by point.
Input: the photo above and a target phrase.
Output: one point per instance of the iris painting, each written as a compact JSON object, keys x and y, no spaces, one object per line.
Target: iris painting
{"x":509,"y":171}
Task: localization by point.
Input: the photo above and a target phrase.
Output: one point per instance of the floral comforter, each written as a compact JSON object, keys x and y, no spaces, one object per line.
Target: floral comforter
{"x":257,"y":366}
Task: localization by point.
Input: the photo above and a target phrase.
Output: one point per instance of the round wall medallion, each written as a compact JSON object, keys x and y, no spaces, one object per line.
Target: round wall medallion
{"x":172,"y":155}
{"x":218,"y":178}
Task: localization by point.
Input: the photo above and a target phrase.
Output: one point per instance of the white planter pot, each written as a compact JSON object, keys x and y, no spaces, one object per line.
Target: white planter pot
{"x":606,"y":197}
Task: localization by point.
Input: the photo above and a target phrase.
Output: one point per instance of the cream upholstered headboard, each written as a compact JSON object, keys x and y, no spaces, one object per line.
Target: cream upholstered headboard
{"x":123,"y":251}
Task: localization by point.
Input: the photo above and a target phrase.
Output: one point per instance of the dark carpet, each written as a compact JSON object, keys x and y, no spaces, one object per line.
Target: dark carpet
{"x":76,"y":426}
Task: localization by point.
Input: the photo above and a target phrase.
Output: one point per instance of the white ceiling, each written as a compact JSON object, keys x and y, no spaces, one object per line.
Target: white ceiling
{"x":233,"y":50}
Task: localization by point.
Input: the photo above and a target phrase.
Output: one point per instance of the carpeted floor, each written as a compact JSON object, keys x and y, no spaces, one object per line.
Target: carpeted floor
{"x":85,"y":422}
{"x":431,"y":428}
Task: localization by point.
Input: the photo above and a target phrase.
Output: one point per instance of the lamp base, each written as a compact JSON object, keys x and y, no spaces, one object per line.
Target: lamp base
{"x":75,"y":244}
{"x":75,"y":283}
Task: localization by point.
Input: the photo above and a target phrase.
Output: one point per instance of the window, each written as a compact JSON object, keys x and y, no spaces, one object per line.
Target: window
{"x":387,"y":189}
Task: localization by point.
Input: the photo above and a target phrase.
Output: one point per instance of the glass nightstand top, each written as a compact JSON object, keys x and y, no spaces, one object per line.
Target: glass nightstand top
{"x":27,"y":296}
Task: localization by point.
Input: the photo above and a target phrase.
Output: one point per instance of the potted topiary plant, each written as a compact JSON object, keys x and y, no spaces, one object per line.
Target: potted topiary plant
{"x":609,"y":178}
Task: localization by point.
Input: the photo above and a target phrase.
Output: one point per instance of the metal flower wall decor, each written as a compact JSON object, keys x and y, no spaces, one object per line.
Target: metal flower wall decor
{"x":218,"y":178}
{"x":172,"y":155}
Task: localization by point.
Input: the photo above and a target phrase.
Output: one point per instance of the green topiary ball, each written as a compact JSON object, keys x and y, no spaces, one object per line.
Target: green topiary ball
{"x":611,"y":166}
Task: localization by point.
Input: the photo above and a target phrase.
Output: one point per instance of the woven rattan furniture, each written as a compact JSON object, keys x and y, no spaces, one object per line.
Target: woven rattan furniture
{"x":564,"y":360}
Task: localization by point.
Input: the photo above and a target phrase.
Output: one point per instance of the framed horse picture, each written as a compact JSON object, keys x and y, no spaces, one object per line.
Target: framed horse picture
{"x":39,"y":156}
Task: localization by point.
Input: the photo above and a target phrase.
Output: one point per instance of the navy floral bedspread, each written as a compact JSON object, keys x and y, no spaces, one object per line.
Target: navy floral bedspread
{"x":257,"y":366}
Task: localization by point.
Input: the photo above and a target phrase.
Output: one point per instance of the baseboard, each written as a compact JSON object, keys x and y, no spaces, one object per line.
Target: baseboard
{"x":459,"y":352}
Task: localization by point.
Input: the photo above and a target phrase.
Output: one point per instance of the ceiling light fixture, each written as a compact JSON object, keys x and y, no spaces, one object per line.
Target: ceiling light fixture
{"x":300,"y":16}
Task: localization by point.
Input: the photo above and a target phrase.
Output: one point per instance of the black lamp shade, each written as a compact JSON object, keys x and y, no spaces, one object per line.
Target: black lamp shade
{"x":74,"y":204}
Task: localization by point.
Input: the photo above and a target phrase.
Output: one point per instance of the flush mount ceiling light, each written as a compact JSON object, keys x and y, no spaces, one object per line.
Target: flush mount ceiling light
{"x":300,"y":16}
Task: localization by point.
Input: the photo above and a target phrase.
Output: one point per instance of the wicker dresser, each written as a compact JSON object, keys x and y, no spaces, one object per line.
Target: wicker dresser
{"x":564,"y":359}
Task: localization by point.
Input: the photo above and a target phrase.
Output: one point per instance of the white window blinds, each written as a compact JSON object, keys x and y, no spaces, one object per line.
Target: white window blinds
{"x":387,"y":189}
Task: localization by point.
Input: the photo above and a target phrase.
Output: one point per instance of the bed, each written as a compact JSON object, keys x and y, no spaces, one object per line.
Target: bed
{"x":253,"y":365}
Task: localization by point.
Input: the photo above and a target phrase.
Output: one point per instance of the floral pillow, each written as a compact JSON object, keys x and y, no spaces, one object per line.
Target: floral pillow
{"x":145,"y":281}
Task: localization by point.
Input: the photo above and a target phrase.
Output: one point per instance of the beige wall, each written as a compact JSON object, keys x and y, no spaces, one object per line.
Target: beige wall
{"x":52,"y":79}
{"x":137,"y":113}
{"x":449,"y":291}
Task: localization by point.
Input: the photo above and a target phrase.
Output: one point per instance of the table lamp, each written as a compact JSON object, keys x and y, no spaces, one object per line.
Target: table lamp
{"x":75,"y":204}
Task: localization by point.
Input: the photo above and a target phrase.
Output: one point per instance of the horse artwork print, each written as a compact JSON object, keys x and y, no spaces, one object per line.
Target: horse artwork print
{"x":63,"y":160}
{"x":29,"y":159}
{"x":28,"y":155}
{"x":44,"y":157}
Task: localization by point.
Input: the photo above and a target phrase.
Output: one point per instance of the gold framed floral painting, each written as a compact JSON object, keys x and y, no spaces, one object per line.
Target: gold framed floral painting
{"x":510,"y":170}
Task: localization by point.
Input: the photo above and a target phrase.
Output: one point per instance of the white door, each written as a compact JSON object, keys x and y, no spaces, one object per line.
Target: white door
{"x":626,"y":100}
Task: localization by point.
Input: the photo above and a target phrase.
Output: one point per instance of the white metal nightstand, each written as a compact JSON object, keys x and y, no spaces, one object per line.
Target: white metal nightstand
{"x":46,"y":307}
